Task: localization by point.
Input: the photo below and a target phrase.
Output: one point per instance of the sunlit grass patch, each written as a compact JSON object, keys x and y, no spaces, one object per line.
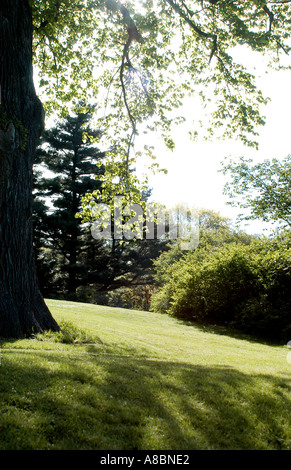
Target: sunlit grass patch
{"x":137,"y":380}
{"x":68,"y":334}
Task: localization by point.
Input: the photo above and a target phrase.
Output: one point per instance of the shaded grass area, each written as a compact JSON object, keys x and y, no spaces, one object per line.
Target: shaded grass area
{"x":152,"y":383}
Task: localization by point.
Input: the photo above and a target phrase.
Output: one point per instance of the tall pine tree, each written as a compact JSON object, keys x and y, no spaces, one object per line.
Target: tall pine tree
{"x":65,"y":169}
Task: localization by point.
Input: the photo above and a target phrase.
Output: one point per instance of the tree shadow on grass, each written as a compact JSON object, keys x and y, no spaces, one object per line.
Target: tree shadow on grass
{"x":90,"y":400}
{"x":225,"y":330}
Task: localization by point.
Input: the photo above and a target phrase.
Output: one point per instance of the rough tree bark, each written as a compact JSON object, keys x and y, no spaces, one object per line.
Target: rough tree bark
{"x":22,"y":307}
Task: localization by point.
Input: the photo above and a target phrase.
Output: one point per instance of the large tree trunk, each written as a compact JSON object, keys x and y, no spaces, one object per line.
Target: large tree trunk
{"x":22,"y":308}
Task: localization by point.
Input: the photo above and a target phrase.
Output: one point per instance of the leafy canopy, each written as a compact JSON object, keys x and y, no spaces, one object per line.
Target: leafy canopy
{"x":140,"y":59}
{"x":263,"y":189}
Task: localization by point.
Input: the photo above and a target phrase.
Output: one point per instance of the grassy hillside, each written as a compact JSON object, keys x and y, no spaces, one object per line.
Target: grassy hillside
{"x":139,"y":380}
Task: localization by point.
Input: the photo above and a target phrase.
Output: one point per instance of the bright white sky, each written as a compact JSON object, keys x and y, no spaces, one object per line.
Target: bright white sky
{"x":193,"y":176}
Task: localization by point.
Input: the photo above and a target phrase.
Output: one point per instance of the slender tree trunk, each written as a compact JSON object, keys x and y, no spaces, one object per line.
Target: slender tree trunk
{"x":22,"y":308}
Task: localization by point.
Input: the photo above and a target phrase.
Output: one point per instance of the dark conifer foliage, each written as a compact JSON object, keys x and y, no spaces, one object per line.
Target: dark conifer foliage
{"x":65,"y":169}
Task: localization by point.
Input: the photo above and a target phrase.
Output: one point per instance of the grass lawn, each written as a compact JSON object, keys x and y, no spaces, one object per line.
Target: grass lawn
{"x":142,"y":381}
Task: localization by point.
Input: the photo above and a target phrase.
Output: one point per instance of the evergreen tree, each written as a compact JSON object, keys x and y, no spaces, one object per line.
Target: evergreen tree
{"x":66,"y":168}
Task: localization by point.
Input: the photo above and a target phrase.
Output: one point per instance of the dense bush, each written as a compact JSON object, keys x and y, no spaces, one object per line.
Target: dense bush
{"x":268,"y":314}
{"x":208,"y":285}
{"x":244,"y":285}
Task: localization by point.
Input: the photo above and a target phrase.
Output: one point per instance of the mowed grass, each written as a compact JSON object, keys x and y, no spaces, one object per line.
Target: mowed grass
{"x":143,"y":381}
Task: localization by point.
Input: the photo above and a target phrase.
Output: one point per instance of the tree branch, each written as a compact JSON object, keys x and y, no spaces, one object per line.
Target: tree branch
{"x":193,"y":26}
{"x":271,"y":16}
{"x":131,"y":118}
{"x":282,"y":47}
{"x":133,"y":35}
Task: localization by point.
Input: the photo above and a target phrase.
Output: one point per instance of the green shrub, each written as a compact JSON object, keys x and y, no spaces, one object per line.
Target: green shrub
{"x":260,"y":318}
{"x":268,"y":315}
{"x":245,"y":286}
{"x":213,"y":288}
